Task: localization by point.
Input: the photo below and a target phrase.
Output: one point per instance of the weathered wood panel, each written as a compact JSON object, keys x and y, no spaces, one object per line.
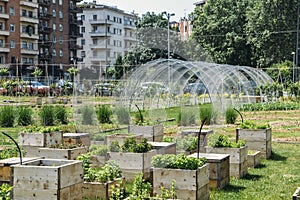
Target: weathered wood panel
{"x":83,"y":139}
{"x":54,"y":153}
{"x":40,"y":139}
{"x":164,"y":147}
{"x":121,"y":138}
{"x":152,"y":133}
{"x":254,"y":159}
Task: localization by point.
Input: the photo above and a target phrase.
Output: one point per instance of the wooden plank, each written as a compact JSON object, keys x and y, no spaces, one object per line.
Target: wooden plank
{"x":237,"y":155}
{"x":77,"y":139}
{"x":40,"y":139}
{"x":73,"y":192}
{"x":71,"y":174}
{"x":54,"y":153}
{"x":121,"y":138}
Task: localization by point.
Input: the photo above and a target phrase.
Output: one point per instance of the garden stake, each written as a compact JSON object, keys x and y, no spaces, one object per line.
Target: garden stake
{"x":141,"y":116}
{"x":20,"y":154}
{"x":239,"y":114}
{"x":203,"y":122}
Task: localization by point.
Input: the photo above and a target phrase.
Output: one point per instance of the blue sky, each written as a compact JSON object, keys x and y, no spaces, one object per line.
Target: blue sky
{"x":179,"y":7}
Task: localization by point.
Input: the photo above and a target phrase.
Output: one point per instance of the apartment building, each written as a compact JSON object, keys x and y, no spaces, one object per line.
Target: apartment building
{"x":58,"y":32}
{"x":106,"y":33}
{"x":184,"y":27}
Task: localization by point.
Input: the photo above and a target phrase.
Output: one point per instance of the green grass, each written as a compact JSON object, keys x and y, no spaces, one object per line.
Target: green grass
{"x":276,"y":178}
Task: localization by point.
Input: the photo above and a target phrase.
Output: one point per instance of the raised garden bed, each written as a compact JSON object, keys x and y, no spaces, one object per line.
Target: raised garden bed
{"x":48,"y":179}
{"x":164,"y":147}
{"x":121,"y":138}
{"x":296,"y":195}
{"x":203,"y":136}
{"x":253,"y":158}
{"x":77,"y":139}
{"x":152,"y":133}
{"x":40,"y":139}
{"x":218,"y":168}
{"x":257,"y":139}
{"x":61,"y":153}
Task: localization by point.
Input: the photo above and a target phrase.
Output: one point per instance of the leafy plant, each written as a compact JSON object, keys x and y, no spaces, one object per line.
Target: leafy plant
{"x":123,"y":115}
{"x":10,"y":153}
{"x":207,"y":114}
{"x":187,"y":143}
{"x":87,"y":115}
{"x":221,"y":140}
{"x":114,"y":146}
{"x":231,"y":116}
{"x":180,"y":161}
{"x":41,"y":129}
{"x":24,"y":117}
{"x":104,"y":114}
{"x":47,"y":115}
{"x":61,"y":115}
{"x":141,"y":189}
{"x":117,"y":191}
{"x":99,"y":150}
{"x":7,"y":116}
{"x":251,"y":125}
{"x":5,"y":191}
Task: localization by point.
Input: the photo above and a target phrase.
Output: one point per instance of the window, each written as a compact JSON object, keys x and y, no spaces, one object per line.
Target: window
{"x":94,"y":17}
{"x":94,"y":54}
{"x":61,"y":40}
{"x":1,"y":9}
{"x":24,"y":13}
{"x":30,"y":46}
{"x":30,"y":60}
{"x":24,"y":45}
{"x":1,"y":42}
{"x":54,"y":39}
{"x":108,"y":17}
{"x":23,"y":29}
{"x":12,"y":44}
{"x":61,"y":54}
{"x":60,"y":27}
{"x":53,"y":1}
{"x":82,"y":17}
{"x":12,"y":28}
{"x":82,"y":41}
{"x":82,"y":54}
{"x":83,"y":29}
{"x":1,"y":59}
{"x":1,"y":25}
{"x":24,"y":60}
{"x":30,"y":14}
{"x":54,"y":13}
{"x":54,"y":52}
{"x":54,"y":26}
{"x":60,"y":2}
{"x":12,"y":11}
{"x":60,"y":14}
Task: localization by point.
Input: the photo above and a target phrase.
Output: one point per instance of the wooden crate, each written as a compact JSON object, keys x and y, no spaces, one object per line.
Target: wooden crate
{"x":5,"y":167}
{"x":237,"y":160}
{"x":121,"y":138}
{"x":96,"y":190}
{"x":257,"y":139}
{"x":48,"y":179}
{"x":296,"y":195}
{"x":190,"y":184}
{"x":153,"y":133}
{"x":219,"y":167}
{"x":55,"y":153}
{"x":203,"y":136}
{"x":164,"y":147}
{"x":254,"y":159}
{"x":77,"y":139}
{"x":40,"y":139}
{"x":132,"y":164}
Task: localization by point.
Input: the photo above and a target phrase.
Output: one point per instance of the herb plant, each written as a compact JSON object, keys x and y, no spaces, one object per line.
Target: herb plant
{"x":252,"y":125}
{"x":130,"y":145}
{"x":220,"y":140}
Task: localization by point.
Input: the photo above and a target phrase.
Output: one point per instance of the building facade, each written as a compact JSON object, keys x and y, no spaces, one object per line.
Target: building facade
{"x":107,"y":32}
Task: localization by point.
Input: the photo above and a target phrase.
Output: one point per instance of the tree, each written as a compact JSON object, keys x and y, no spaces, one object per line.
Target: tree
{"x":118,"y":68}
{"x":220,"y":28}
{"x":270,"y":25}
{"x":281,"y":72}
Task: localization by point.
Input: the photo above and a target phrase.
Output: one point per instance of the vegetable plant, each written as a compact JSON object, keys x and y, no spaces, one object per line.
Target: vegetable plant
{"x":221,"y":140}
{"x":130,"y":145}
{"x":252,"y":125}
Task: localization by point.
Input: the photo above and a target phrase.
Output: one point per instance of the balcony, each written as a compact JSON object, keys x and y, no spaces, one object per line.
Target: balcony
{"x":100,"y":21}
{"x":45,"y":16}
{"x":29,"y":4}
{"x":101,"y":46}
{"x":127,"y":25}
{"x":130,"y":38}
{"x":45,"y":43}
{"x":4,"y":15}
{"x":45,"y":3}
{"x":4,"y":50}
{"x":32,"y":36}
{"x":100,"y":34}
{"x":45,"y":29}
{"x":30,"y":51}
{"x":33,"y":20}
{"x":4,"y":32}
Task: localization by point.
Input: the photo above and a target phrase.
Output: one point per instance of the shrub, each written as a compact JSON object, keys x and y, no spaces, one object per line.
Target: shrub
{"x":24,"y":117}
{"x":231,"y":116}
{"x":180,"y":161}
{"x":206,"y":113}
{"x":7,"y":116}
{"x":186,"y":118}
{"x":104,"y":114}
{"x":220,"y":140}
{"x":61,"y":115}
{"x":47,"y":115}
{"x":123,"y":115}
{"x":87,"y":113}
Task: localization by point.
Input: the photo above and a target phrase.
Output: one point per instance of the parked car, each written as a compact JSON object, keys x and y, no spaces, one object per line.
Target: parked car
{"x":36,"y":87}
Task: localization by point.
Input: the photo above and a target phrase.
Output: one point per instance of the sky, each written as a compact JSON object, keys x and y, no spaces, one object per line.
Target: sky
{"x":181,"y":8}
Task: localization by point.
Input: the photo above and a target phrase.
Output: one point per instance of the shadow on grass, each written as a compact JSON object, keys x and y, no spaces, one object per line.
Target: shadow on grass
{"x":252,"y":177}
{"x":260,"y":166}
{"x":277,"y":157}
{"x":233,"y":188}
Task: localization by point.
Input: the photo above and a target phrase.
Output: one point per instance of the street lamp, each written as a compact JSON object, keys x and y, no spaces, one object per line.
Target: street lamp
{"x":293,"y":53}
{"x":168,"y":17}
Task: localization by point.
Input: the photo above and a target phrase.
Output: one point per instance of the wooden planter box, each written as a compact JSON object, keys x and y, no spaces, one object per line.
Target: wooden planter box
{"x":51,"y":100}
{"x":190,"y":184}
{"x":48,"y":179}
{"x":238,"y":159}
{"x":218,"y":167}
{"x":77,"y":139}
{"x":56,"y":153}
{"x":203,"y":136}
{"x":96,"y":190}
{"x":153,"y":133}
{"x":132,"y":164}
{"x":257,"y":139}
{"x":254,"y":159}
{"x":40,"y":139}
{"x":121,"y":138}
{"x":296,"y":195}
{"x":5,"y":168}
{"x":164,"y":147}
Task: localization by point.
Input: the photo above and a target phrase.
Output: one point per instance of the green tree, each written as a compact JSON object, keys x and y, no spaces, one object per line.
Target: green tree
{"x":220,"y":28}
{"x":270,"y":25}
{"x":118,"y":68}
{"x":281,"y":72}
